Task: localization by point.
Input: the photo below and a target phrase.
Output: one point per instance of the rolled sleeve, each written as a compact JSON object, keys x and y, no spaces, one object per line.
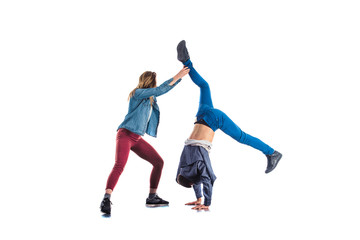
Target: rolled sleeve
{"x":197,"y":190}
{"x":207,"y":188}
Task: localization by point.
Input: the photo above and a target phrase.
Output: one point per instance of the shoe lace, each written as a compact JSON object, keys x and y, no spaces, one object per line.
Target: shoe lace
{"x":157,"y":197}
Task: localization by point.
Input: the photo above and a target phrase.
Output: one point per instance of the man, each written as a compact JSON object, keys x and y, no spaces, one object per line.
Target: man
{"x":195,"y":167}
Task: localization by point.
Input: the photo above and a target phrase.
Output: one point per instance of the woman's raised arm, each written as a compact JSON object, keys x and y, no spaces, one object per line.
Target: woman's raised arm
{"x":163,"y":88}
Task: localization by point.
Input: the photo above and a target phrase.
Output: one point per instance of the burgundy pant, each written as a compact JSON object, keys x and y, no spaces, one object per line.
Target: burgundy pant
{"x":126,"y":141}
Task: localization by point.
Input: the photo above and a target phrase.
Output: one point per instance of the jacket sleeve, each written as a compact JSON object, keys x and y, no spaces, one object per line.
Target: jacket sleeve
{"x":207,"y":188}
{"x":197,"y":190}
{"x":141,"y":93}
{"x":206,"y":182}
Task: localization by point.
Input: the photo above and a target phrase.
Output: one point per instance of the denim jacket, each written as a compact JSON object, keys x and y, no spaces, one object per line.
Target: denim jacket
{"x":137,"y":117}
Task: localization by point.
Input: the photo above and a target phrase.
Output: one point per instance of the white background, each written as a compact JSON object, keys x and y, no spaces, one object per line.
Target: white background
{"x":284,"y":71}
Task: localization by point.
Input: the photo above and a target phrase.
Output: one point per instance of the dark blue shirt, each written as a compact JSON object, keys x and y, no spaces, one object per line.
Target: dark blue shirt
{"x":195,"y":166}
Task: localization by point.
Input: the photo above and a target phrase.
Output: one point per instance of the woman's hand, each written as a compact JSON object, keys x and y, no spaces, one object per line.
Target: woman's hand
{"x":201,"y":207}
{"x":181,"y":74}
{"x":197,"y":202}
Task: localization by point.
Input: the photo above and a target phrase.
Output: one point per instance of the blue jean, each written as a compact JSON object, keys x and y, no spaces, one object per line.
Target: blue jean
{"x":217,"y":119}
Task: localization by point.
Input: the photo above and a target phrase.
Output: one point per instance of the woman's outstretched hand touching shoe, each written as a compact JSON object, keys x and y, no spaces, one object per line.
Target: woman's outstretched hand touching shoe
{"x":181,"y":74}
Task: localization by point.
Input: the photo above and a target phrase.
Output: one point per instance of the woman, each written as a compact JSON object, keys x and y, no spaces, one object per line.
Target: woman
{"x":143,"y":117}
{"x":195,"y":167}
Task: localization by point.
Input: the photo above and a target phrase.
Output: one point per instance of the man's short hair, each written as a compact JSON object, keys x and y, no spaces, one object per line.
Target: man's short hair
{"x":184,"y":181}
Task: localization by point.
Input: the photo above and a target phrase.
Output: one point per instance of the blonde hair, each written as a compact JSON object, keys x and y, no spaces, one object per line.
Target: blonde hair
{"x":146,"y":80}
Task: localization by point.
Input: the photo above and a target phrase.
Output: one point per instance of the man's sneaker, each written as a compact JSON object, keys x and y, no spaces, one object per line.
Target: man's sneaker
{"x":273,"y":161}
{"x":156,"y":201}
{"x":105,"y":206}
{"x":182,"y":52}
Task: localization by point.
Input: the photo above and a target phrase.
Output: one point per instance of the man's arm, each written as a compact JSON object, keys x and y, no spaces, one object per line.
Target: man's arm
{"x":197,"y":190}
{"x":198,"y":194}
{"x":207,"y":188}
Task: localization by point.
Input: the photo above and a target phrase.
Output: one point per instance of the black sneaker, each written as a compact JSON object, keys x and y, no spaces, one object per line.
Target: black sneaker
{"x":105,"y":206}
{"x":182,"y":52}
{"x":156,"y":202}
{"x":273,"y":161}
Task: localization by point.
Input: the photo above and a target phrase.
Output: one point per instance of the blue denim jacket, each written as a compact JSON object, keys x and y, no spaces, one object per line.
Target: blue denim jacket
{"x":137,"y":117}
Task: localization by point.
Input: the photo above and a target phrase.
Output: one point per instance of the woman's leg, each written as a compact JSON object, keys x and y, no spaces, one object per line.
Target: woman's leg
{"x":123,"y":145}
{"x":148,"y":153}
{"x":205,"y":94}
{"x":230,"y":128}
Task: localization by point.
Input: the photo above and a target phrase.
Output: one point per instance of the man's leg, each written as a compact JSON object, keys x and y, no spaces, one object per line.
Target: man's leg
{"x":230,"y":128}
{"x":205,"y":93}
